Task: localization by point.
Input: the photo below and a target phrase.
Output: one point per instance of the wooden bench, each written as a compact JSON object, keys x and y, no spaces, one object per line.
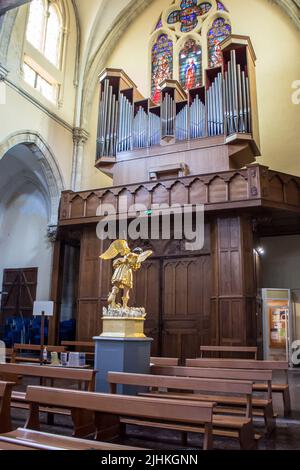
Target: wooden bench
{"x":164,"y":361}
{"x":82,"y":346}
{"x":282,"y":388}
{"x":25,"y":439}
{"x":191,"y":389}
{"x":5,"y":399}
{"x":229,"y":349}
{"x":32,"y":348}
{"x":84,"y":377}
{"x":262,"y":407}
{"x":110,"y":409}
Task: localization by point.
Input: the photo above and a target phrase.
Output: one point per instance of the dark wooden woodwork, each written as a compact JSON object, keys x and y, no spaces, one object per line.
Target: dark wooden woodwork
{"x":5,"y":398}
{"x":20,"y":285}
{"x":236,"y":393}
{"x":27,"y":439}
{"x":229,"y":350}
{"x":246,"y":189}
{"x":108,"y":409}
{"x":282,"y":388}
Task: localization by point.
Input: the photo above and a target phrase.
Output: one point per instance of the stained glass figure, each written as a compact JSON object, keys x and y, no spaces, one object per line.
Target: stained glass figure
{"x":162,"y":64}
{"x":221,"y":6}
{"x":219,"y":31}
{"x":190,"y":65}
{"x":188,"y":14}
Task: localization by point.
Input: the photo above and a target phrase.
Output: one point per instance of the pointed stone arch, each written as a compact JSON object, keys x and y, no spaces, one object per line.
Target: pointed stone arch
{"x":49,"y":166}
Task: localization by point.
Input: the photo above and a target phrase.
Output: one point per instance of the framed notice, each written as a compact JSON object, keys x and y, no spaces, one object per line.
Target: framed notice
{"x":41,"y":307}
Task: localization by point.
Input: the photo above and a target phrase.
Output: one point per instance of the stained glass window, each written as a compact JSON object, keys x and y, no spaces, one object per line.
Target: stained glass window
{"x":190,"y":65}
{"x":188,"y":14}
{"x":219,"y":31}
{"x":221,"y":6}
{"x":158,"y":24}
{"x":162,"y":64}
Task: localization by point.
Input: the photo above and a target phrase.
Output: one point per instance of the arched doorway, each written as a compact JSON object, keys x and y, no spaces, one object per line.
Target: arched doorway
{"x":30,"y":187}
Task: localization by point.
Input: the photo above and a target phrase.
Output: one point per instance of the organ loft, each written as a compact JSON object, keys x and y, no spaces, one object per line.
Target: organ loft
{"x":192,"y":145}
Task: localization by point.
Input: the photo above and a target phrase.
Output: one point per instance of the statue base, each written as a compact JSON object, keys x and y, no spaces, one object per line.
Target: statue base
{"x":123,"y":323}
{"x":123,"y":327}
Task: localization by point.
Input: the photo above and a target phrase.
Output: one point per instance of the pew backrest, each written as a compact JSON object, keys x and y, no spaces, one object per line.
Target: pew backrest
{"x":151,"y":408}
{"x":239,"y":364}
{"x":226,"y":374}
{"x":86,"y":376}
{"x":164,"y":361}
{"x":78,"y":344}
{"x":229,"y":349}
{"x":178,"y":383}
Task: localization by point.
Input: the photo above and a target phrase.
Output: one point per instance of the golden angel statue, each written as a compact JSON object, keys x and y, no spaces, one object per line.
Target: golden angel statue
{"x":123,"y":269}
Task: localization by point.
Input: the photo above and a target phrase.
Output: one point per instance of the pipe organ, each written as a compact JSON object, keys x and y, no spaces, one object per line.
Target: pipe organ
{"x":225,"y":106}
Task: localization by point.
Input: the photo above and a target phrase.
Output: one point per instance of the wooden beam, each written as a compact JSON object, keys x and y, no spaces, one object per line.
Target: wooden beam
{"x":7,"y":5}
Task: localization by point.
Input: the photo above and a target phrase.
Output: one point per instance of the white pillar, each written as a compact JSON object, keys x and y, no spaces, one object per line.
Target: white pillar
{"x":80,"y":136}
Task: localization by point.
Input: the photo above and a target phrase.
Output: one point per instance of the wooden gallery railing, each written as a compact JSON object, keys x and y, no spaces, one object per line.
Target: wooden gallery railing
{"x":254,"y":186}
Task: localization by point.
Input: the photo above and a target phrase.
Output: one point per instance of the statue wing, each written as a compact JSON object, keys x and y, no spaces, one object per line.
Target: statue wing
{"x":144,"y":256}
{"x":118,"y":247}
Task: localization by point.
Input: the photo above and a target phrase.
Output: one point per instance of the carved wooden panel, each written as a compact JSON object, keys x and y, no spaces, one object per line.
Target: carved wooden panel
{"x":179,"y":193}
{"x":292,"y":193}
{"x":160,"y":195}
{"x":198,"y":192}
{"x":77,"y":207}
{"x":146,"y":294}
{"x":186,"y":305}
{"x":92,"y":204}
{"x":238,"y":188}
{"x":217,"y":190}
{"x":275,"y":192}
{"x":88,"y":314}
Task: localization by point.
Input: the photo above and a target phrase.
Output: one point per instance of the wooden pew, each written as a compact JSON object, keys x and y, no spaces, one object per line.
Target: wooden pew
{"x":85,"y":377}
{"x":229,"y":349}
{"x":164,"y":361}
{"x":32,"y":348}
{"x":108,"y":409}
{"x":5,"y":399}
{"x":262,"y":407}
{"x":282,"y":388}
{"x":25,"y":439}
{"x":193,"y":389}
{"x":88,"y":347}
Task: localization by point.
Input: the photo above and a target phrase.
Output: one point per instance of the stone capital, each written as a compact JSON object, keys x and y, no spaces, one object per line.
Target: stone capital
{"x":52,"y":233}
{"x":80,"y":136}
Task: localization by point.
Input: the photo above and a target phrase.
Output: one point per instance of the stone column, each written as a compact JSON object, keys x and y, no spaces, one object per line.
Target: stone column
{"x":80,"y":136}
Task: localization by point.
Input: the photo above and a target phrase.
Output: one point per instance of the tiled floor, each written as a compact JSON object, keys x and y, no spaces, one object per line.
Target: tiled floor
{"x":286,"y":437}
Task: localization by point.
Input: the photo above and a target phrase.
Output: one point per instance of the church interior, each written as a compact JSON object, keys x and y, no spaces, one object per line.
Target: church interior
{"x":129,"y":129}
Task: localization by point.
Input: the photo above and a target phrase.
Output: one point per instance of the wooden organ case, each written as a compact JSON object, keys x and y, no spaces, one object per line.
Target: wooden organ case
{"x":193,"y":148}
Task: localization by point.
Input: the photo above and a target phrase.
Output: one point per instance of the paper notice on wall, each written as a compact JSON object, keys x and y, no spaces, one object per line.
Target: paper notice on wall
{"x":2,"y":353}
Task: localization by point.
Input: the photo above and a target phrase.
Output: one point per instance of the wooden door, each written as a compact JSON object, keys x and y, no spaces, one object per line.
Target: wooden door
{"x":20,"y":285}
{"x":186,"y":305}
{"x":147,"y":293}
